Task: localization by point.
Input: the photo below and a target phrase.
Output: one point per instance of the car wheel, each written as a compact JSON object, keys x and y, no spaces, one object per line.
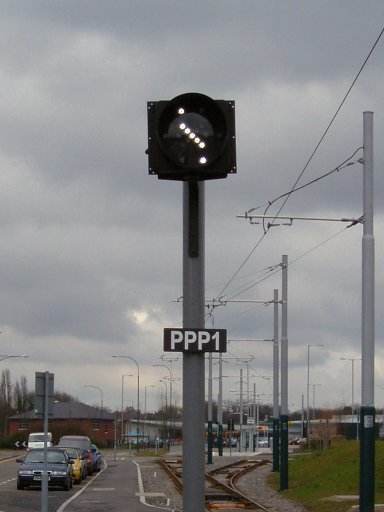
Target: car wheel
{"x":66,"y":485}
{"x":20,"y":486}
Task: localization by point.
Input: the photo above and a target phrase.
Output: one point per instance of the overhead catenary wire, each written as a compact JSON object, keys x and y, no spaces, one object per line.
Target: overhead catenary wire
{"x":241,"y":266}
{"x":332,"y":119}
{"x":279,"y":266}
{"x":343,"y":165}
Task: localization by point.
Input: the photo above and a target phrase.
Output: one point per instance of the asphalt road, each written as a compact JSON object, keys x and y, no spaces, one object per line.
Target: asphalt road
{"x":115,"y":488}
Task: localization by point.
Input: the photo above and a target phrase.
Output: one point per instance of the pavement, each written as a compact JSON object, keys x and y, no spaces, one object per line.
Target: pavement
{"x":11,"y":454}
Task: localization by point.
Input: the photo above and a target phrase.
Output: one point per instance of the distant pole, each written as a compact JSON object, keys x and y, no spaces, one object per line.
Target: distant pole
{"x":276,"y":382}
{"x":241,"y":446}
{"x":138,"y":397}
{"x":284,"y":378}
{"x":353,"y":359}
{"x":210,"y":415}
{"x":44,"y":480}
{"x":220,"y":408}
{"x":308,"y":404}
{"x":193,"y":363}
{"x":367,"y":416}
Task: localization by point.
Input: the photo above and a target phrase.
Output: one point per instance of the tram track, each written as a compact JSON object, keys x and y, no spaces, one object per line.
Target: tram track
{"x":221,"y":492}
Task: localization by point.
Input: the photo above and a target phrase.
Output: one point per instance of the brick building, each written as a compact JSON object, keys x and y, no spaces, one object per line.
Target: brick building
{"x":68,"y":418}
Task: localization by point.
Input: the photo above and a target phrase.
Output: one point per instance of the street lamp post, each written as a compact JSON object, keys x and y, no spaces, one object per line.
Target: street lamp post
{"x":314,"y":386}
{"x":138,"y":395}
{"x":353,"y":359}
{"x":166,"y":408}
{"x":170,"y":392}
{"x":122,"y":402}
{"x":145,"y":405}
{"x":308,"y":419}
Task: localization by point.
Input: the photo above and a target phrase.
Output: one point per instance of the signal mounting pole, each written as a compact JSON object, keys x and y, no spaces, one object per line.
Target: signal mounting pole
{"x":193,"y":363}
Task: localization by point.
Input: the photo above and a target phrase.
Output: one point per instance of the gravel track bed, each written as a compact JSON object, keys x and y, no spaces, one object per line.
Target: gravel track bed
{"x":253,"y":484}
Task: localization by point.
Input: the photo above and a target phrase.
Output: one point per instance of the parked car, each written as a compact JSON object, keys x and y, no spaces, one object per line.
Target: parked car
{"x":79,"y":465}
{"x":36,"y":440}
{"x":82,"y":442}
{"x":59,"y":468}
{"x":84,"y":463}
{"x":96,"y":457}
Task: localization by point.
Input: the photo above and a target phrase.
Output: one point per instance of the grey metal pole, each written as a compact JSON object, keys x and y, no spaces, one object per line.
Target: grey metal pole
{"x":122,"y":407}
{"x":368,"y":268}
{"x":193,"y":363}
{"x":210,"y":415}
{"x":308,"y":426}
{"x":308,"y":405}
{"x":220,"y":408}
{"x":353,"y":390}
{"x":256,"y":400}
{"x":284,"y":378}
{"x":367,"y":416}
{"x":241,"y":447}
{"x":254,"y":431}
{"x":276,"y":382}
{"x":44,"y":480}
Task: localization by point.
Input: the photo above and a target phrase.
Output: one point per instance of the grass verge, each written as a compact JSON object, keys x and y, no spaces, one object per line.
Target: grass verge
{"x":317,"y":476}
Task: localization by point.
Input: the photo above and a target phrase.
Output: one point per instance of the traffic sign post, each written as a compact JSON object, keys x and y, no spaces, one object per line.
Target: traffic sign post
{"x":44,"y":388}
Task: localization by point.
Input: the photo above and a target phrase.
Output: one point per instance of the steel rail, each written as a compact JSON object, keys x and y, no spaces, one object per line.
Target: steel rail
{"x":231,"y":489}
{"x":235,"y":470}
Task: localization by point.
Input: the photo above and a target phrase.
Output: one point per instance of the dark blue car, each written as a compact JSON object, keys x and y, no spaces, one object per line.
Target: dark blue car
{"x":59,"y":469}
{"x":96,"y":458}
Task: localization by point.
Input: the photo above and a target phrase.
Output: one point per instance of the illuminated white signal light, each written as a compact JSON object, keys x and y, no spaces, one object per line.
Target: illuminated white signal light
{"x":203,"y":160}
{"x":192,"y":136}
{"x":181,"y":111}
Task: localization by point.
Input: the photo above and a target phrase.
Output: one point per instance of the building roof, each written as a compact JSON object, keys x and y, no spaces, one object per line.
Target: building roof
{"x":69,"y":410}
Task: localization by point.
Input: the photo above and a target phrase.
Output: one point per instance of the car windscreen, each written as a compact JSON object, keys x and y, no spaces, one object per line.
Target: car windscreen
{"x":37,"y":457}
{"x":73,"y":443}
{"x":36,"y":437}
{"x":72,"y":453}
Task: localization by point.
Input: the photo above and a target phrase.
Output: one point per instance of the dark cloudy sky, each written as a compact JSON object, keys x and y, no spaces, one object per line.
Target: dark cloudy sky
{"x":91,"y":245}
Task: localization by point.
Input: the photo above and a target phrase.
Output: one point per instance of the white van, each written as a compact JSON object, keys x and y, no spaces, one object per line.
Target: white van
{"x":36,"y":440}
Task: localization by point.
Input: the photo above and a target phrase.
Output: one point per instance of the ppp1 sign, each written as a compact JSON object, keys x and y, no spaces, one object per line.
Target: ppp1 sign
{"x":195,"y":340}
